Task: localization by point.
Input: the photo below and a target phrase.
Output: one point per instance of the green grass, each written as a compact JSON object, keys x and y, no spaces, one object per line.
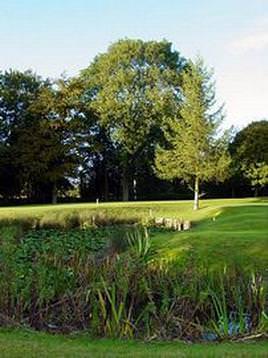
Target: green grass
{"x":19,"y":343}
{"x":233,"y":235}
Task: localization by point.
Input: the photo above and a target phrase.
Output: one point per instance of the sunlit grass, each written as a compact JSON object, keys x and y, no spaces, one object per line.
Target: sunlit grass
{"x":233,"y":235}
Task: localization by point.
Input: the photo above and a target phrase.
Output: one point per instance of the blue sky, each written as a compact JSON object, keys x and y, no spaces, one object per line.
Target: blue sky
{"x":52,"y":36}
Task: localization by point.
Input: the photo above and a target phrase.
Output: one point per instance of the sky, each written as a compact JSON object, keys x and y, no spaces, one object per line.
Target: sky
{"x":55,"y":36}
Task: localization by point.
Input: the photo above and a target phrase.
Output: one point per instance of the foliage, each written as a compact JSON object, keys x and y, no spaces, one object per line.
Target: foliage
{"x":257,"y":174}
{"x":18,"y":91}
{"x":234,"y":319}
{"x":37,"y":153}
{"x":249,"y":152}
{"x":131,"y":85}
{"x":250,"y":144}
{"x":194,"y":152}
{"x":140,"y":243}
{"x":51,"y":157}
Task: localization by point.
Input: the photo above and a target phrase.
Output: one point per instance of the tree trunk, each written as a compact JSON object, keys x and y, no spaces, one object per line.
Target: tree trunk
{"x":125,"y":185}
{"x":106,"y":185}
{"x":233,"y":192}
{"x":196,"y":193}
{"x":54,"y":194}
{"x":135,"y":189}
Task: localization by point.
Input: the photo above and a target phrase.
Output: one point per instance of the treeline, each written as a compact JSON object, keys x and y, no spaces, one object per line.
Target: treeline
{"x":128,"y":122}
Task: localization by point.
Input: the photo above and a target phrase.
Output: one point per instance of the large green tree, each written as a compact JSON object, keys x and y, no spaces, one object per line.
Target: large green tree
{"x":131,"y":88}
{"x":194,"y":151}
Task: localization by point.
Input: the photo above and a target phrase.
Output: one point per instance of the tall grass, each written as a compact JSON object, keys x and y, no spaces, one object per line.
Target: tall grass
{"x":66,"y":220}
{"x":237,"y":304}
{"x":82,"y":279}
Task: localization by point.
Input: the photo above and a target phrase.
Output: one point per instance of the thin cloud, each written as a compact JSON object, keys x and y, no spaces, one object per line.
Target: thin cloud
{"x":253,"y":42}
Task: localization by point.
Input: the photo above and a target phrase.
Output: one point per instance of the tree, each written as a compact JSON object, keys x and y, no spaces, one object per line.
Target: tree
{"x":130,"y":89}
{"x":51,"y":158}
{"x":18,"y":91}
{"x":194,"y":152}
{"x":36,"y":135}
{"x":249,"y":151}
{"x":251,"y":143}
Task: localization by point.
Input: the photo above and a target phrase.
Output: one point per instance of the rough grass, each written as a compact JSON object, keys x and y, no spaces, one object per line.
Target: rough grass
{"x":17,"y":344}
